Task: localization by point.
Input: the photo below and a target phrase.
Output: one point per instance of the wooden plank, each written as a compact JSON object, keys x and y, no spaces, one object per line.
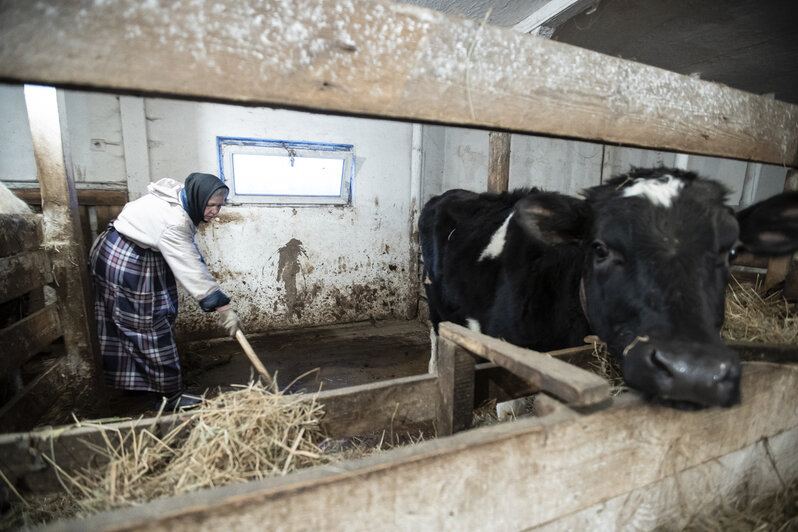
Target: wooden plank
{"x":573,"y":385}
{"x":498,"y":161}
{"x":86,"y":196}
{"x":674,"y":503}
{"x":348,"y":411}
{"x":756,"y":352}
{"x":69,"y":447}
{"x":336,"y":55}
{"x":379,"y":406}
{"x":62,"y":232}
{"x":32,"y":401}
{"x":456,"y":388}
{"x":20,"y":232}
{"x":21,"y":273}
{"x":546,"y":468}
{"x":29,"y":336}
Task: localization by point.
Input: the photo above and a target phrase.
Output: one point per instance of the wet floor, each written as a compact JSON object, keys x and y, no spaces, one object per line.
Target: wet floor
{"x":342,"y":355}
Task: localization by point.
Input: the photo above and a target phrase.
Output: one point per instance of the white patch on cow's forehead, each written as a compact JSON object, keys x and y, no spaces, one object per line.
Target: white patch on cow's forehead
{"x":660,"y":191}
{"x":496,"y":244}
{"x":473,"y":324}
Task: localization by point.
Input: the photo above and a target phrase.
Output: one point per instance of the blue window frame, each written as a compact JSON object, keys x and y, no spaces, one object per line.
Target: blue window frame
{"x":286,"y":172}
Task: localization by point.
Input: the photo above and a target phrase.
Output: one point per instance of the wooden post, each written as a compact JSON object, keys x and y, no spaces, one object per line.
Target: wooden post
{"x":63,"y":236}
{"x":456,"y":386}
{"x":499,"y":161}
{"x":785,"y":268}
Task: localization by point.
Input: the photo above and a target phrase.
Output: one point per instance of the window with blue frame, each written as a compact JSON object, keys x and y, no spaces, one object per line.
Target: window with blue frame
{"x":286,"y":172}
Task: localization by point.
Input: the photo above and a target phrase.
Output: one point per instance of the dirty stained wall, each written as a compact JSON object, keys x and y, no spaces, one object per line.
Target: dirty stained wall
{"x":287,"y":266}
{"x":283,"y":266}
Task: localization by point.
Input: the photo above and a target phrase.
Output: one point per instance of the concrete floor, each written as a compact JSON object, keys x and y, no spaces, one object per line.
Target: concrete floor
{"x":344,"y":355}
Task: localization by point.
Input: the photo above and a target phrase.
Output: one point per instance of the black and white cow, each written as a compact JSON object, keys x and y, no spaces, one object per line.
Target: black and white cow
{"x":641,"y":261}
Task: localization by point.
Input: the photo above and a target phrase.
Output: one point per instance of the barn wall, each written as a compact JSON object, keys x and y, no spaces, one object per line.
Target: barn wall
{"x":292,"y":266}
{"x":16,"y":146}
{"x":283,"y":266}
{"x":458,"y":158}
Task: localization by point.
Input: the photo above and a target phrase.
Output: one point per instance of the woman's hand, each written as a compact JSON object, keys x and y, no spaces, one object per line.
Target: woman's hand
{"x":228,"y":319}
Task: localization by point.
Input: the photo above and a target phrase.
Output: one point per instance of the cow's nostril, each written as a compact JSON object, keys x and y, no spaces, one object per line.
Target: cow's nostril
{"x":661,"y":362}
{"x":723,"y":372}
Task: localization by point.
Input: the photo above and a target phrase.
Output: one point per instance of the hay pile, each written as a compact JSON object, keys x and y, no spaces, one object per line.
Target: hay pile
{"x":753,"y":316}
{"x":238,"y":436}
{"x":777,"y":512}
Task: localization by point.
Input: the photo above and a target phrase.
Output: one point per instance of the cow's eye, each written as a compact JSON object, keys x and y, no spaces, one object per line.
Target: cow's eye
{"x":733,"y":252}
{"x":600,"y":250}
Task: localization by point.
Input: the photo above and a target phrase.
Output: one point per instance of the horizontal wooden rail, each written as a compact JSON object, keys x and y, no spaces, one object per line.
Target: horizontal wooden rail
{"x":86,"y":197}
{"x":371,"y":407}
{"x":28,"y":337}
{"x":575,"y":386}
{"x":547,"y":468}
{"x":384,"y":59}
{"x":20,"y":232}
{"x":21,"y":273}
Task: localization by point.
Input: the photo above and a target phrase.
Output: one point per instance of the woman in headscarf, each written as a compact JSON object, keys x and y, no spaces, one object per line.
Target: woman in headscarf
{"x":134,"y":264}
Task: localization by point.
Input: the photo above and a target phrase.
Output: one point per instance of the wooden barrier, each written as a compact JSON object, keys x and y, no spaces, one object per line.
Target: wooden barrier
{"x":430,"y":67}
{"x":29,"y":325}
{"x":560,"y":470}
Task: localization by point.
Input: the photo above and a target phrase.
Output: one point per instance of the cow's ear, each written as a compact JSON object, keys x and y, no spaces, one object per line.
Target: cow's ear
{"x":770,"y":227}
{"x":553,"y":218}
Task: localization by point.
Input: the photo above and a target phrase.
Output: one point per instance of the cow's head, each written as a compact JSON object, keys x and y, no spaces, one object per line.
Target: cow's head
{"x":657,"y":247}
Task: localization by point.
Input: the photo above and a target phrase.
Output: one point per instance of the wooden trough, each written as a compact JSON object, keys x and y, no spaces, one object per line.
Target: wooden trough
{"x":587,"y":461}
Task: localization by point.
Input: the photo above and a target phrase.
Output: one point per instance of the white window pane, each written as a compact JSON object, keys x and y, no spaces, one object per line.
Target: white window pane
{"x":274,"y":175}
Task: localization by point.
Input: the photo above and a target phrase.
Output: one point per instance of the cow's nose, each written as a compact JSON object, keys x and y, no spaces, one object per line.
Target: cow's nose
{"x":703,"y":374}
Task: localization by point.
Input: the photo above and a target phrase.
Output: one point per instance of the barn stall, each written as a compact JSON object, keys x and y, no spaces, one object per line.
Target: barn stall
{"x":310,"y":267}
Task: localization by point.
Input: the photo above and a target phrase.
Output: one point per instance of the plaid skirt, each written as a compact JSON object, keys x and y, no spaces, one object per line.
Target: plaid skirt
{"x":135,"y":301}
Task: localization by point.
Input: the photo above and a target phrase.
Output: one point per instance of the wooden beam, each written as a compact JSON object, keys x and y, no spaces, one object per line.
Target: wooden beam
{"x":20,"y":232}
{"x":28,"y":337}
{"x":32,"y":402}
{"x":575,"y":386}
{"x":86,"y":196}
{"x":456,"y":388}
{"x":62,"y":231}
{"x":379,"y":406}
{"x":544,"y":468}
{"x":335,"y":56}
{"x":23,"y":272}
{"x":499,"y":161}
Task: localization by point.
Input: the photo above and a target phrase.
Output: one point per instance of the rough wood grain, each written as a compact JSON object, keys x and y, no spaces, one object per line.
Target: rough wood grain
{"x":498,"y":161}
{"x":28,"y":336}
{"x":63,"y":234}
{"x":21,"y":273}
{"x":456,"y":388}
{"x":377,"y":58}
{"x":573,"y":385}
{"x":20,"y":232}
{"x":546,"y":468}
{"x":379,"y":406}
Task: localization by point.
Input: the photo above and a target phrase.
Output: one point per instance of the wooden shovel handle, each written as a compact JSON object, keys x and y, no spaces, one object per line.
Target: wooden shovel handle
{"x":253,"y":357}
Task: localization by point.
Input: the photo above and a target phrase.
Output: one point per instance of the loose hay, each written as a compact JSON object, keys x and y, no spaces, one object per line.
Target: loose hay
{"x":238,"y":436}
{"x":752,"y":316}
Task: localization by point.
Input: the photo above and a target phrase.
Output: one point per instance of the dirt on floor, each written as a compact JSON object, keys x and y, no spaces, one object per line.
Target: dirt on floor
{"x":329,"y":357}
